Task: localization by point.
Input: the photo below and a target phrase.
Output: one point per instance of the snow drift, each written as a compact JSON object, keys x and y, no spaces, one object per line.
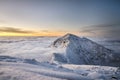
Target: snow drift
{"x":75,"y":50}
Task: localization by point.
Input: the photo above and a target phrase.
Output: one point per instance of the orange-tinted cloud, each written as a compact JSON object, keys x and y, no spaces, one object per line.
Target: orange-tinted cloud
{"x":14,"y":30}
{"x":10,"y":31}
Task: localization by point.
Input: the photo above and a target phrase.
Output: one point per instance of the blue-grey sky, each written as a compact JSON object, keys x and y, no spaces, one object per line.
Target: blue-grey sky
{"x":94,"y":18}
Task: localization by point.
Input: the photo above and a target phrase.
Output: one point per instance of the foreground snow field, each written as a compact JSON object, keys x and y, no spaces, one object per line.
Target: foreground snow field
{"x":45,"y":58}
{"x":23,"y":71}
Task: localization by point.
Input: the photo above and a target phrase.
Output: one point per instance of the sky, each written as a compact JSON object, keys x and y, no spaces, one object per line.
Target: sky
{"x":90,"y":18}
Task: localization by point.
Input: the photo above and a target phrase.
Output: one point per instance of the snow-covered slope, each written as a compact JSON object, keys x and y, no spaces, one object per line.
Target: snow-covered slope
{"x":75,"y":50}
{"x":45,"y":71}
{"x":31,"y":58}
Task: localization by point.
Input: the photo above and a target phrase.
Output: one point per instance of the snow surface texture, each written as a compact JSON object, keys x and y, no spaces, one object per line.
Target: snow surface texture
{"x":32,"y":58}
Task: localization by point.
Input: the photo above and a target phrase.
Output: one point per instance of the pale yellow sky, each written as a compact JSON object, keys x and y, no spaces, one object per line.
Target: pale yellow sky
{"x":10,"y":31}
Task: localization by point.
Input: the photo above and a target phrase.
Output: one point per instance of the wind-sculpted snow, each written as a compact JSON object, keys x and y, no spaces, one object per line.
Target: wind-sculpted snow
{"x":84,"y":51}
{"x":46,"y":71}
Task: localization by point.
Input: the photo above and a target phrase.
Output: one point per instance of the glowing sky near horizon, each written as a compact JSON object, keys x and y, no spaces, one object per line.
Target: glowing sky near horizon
{"x":95,"y":18}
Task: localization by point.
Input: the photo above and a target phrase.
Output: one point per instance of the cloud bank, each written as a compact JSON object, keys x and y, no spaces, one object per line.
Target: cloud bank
{"x":102,"y":30}
{"x":14,"y":30}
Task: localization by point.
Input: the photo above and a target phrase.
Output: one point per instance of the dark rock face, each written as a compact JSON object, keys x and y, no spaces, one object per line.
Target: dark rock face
{"x":84,"y":51}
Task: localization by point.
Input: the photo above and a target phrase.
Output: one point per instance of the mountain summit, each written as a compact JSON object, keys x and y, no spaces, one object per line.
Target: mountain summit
{"x":76,"y":50}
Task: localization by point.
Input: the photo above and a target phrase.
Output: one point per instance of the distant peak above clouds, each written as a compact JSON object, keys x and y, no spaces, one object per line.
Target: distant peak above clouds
{"x":76,"y":50}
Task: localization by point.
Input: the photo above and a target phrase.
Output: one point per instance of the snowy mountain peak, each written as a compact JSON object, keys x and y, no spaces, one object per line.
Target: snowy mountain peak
{"x":78,"y":50}
{"x":66,"y":39}
{"x":68,"y":35}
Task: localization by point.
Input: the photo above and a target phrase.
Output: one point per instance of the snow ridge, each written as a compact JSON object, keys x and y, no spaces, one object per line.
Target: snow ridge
{"x":78,"y":50}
